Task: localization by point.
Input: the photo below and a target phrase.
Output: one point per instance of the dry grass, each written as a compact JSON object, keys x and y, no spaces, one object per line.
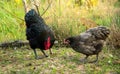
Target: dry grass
{"x":114,"y":39}
{"x":63,"y":61}
{"x":64,"y":17}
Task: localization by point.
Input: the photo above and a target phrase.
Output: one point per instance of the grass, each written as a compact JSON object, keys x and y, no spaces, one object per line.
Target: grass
{"x":62,"y":17}
{"x":62,"y":61}
{"x":11,"y":27}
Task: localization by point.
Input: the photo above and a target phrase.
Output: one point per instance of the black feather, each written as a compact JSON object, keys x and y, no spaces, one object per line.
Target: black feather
{"x":37,"y":32}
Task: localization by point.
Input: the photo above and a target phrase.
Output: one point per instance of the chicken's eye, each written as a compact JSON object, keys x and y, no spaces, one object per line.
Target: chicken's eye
{"x":68,"y":41}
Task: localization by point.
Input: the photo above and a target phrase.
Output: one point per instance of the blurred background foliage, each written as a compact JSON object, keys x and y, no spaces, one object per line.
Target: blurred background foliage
{"x":65,"y":17}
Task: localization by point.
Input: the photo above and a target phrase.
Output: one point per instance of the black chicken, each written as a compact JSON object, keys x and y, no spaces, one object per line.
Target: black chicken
{"x":89,"y":42}
{"x":38,"y":33}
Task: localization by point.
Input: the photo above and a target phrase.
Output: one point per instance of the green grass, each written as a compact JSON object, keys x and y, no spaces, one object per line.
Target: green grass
{"x":62,"y":17}
{"x":11,"y":27}
{"x":62,"y":61}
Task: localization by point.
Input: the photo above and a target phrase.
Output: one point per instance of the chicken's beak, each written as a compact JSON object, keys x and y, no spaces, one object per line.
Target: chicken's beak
{"x":66,"y":41}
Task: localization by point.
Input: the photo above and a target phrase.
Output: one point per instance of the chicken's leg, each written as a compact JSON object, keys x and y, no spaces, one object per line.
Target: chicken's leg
{"x":85,"y":59}
{"x":44,"y":53}
{"x":50,"y":51}
{"x":94,"y":61}
{"x":96,"y":58}
{"x":36,"y":57}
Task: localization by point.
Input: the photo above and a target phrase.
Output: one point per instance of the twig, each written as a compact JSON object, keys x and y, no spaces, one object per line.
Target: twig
{"x":46,"y":8}
{"x":12,"y":14}
{"x":37,"y":7}
{"x":25,"y":5}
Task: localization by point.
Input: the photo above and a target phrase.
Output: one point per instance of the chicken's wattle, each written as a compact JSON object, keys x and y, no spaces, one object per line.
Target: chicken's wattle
{"x":47,"y":44}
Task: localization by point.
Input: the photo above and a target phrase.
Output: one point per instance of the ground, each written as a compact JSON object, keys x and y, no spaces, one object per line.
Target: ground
{"x":62,"y":61}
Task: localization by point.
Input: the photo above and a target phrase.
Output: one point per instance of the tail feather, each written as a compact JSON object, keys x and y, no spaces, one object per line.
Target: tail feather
{"x":99,"y":32}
